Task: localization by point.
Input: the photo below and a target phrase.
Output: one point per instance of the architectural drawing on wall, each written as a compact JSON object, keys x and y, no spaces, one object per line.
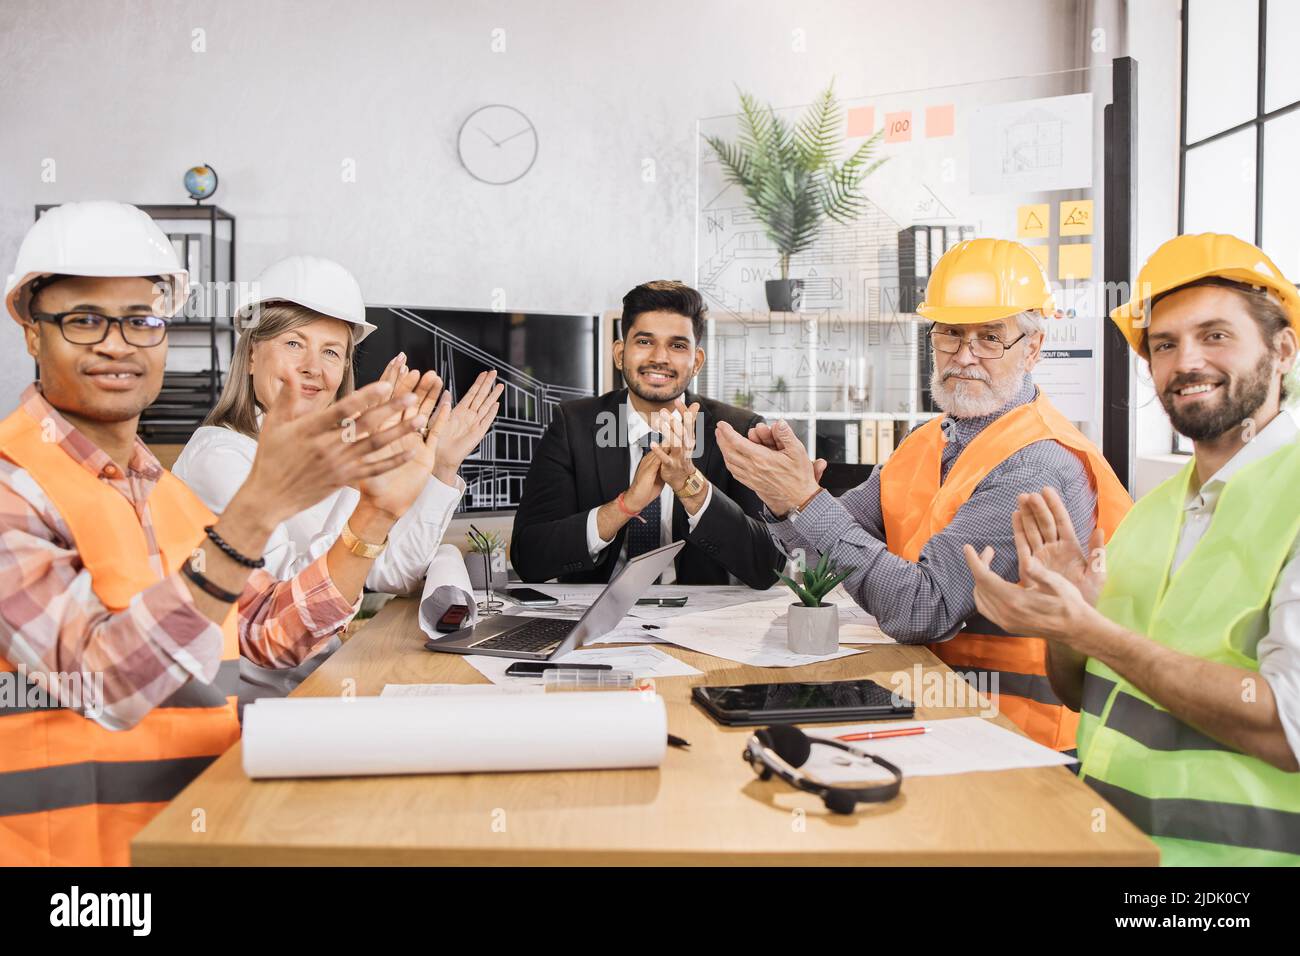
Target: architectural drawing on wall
{"x":494,"y":474}
{"x":1032,"y":145}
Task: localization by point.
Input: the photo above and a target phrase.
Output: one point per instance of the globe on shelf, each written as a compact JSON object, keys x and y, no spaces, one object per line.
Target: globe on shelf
{"x":200,"y":182}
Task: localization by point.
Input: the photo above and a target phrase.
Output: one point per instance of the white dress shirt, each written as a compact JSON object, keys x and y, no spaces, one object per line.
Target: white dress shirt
{"x":1278,"y":649}
{"x":637,"y":429}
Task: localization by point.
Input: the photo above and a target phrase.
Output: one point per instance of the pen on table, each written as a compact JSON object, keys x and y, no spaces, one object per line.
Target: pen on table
{"x":882,"y":734}
{"x":675,"y":741}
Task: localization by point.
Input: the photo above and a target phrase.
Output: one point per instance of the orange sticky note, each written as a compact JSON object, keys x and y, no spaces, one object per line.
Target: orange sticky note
{"x":898,"y":127}
{"x":862,"y":121}
{"x":1042,"y":254}
{"x":1076,"y":217}
{"x":939,"y":120}
{"x":1074,"y":261}
{"x":1031,"y":221}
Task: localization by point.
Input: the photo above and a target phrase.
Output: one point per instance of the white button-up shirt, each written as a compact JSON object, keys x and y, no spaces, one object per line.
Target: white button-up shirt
{"x":637,"y":429}
{"x":1278,"y":650}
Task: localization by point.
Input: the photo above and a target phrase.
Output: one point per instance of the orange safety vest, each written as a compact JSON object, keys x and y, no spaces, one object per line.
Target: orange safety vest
{"x":73,"y":793}
{"x":916,"y":505}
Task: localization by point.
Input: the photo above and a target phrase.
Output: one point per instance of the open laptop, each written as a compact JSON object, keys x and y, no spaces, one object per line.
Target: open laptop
{"x":532,"y":638}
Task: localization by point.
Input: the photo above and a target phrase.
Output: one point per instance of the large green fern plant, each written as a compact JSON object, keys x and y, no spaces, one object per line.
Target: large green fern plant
{"x":789,"y":172}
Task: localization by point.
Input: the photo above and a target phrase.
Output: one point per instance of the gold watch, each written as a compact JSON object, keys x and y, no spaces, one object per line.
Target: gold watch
{"x":361,"y":548}
{"x":693,"y":486}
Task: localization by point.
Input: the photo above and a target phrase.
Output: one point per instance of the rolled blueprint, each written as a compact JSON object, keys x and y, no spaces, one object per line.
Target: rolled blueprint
{"x":363,"y":736}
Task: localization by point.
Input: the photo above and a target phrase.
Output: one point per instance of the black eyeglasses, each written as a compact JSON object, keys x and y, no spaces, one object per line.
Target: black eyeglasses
{"x":91,"y":328}
{"x":987,"y":346}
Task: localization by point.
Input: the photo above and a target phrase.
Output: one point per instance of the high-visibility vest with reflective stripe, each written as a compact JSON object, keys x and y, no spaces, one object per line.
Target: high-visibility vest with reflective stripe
{"x":1202,"y":802}
{"x":916,"y":505}
{"x":73,"y":793}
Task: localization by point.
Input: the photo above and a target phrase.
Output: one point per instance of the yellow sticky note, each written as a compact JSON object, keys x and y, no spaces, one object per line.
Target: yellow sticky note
{"x":1043,"y":255}
{"x":1074,"y":261}
{"x":1076,"y":217}
{"x":1031,"y":221}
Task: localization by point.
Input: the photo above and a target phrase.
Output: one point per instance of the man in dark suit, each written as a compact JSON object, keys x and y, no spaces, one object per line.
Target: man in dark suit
{"x":638,"y":468}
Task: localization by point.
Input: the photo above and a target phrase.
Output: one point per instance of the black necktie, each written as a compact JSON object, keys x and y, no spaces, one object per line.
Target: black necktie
{"x":643,"y":535}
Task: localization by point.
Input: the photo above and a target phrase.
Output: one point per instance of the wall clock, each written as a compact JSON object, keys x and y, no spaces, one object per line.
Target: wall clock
{"x":497,"y":144}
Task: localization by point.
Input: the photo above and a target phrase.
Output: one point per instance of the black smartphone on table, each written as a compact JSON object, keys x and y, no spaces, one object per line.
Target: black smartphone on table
{"x":528,"y":597}
{"x":538,"y":668}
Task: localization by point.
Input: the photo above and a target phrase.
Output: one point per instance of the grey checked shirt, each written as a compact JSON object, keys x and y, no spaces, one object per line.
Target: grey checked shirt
{"x":930,"y":599}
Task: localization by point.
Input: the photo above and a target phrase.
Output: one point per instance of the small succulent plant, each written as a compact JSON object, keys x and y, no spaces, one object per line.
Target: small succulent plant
{"x":484,"y":542}
{"x":817,"y":582}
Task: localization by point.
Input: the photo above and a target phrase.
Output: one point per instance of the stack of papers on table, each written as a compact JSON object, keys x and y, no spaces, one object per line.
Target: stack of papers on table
{"x":954,"y":745}
{"x":734,"y":623}
{"x":641,"y":661}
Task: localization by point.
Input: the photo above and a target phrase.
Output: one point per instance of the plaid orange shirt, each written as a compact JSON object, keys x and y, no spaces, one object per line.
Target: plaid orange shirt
{"x":52,"y":621}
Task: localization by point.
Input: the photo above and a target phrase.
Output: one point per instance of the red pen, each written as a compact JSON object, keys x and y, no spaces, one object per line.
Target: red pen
{"x":882,"y":734}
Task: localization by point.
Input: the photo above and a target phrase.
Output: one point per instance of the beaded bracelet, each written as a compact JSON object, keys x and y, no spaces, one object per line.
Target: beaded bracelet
{"x":230,"y":552}
{"x":207,"y":587}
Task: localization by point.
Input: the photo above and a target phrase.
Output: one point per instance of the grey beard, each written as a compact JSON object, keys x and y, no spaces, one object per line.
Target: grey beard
{"x":944,"y":395}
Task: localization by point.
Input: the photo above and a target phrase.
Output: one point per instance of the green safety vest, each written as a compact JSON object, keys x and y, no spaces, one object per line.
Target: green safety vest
{"x":1202,"y":802}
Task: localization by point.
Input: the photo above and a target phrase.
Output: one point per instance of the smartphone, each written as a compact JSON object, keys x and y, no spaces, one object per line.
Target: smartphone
{"x":530,"y":598}
{"x":537,"y":668}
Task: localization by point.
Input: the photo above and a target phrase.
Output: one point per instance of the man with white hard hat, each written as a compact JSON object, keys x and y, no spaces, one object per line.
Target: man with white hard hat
{"x":124,"y":604}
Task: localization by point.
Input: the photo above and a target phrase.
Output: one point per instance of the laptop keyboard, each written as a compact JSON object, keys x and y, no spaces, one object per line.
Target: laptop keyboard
{"x":540,"y":636}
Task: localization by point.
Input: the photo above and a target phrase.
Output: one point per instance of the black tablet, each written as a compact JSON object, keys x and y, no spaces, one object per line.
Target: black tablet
{"x":807,"y":702}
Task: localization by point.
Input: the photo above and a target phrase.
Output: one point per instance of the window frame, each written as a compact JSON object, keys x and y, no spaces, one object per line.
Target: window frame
{"x":1261,"y":118}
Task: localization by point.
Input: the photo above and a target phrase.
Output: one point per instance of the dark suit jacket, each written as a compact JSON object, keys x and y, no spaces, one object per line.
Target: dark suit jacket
{"x":571,"y":474}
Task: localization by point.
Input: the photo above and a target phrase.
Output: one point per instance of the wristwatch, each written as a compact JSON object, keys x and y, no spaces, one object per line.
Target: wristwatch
{"x":361,"y":548}
{"x":693,"y":486}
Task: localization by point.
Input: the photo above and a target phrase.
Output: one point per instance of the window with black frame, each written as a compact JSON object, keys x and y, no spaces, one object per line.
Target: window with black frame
{"x":1240,"y":141}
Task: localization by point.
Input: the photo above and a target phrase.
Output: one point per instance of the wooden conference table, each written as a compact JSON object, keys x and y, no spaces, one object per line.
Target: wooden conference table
{"x":702,"y":806}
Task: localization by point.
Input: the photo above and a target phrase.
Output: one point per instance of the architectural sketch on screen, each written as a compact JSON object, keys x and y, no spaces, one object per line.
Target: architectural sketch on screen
{"x":494,"y":474}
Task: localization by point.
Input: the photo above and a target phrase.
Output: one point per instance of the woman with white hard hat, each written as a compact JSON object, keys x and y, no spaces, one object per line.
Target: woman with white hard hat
{"x":299,"y":326}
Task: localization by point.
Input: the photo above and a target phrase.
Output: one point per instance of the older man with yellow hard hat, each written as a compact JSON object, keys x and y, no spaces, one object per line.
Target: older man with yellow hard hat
{"x":1183,"y":650}
{"x":954,"y":481}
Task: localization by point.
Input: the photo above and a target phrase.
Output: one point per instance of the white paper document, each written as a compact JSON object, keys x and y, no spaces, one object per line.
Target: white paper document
{"x":641,"y":661}
{"x":749,"y":634}
{"x":955,"y":745}
{"x":363,"y":736}
{"x":757,"y":633}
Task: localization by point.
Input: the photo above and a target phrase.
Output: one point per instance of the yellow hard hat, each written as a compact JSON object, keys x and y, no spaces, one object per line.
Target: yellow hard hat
{"x":1183,"y":260}
{"x":983,"y":280}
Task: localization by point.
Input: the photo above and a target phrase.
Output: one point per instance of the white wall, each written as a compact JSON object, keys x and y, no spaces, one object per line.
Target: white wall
{"x":286,"y":91}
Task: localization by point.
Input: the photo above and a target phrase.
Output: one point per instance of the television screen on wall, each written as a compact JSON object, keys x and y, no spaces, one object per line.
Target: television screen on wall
{"x":542,"y":359}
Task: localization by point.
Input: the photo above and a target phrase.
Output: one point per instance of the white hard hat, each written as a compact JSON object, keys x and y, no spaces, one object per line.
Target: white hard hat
{"x":321,"y":285}
{"x":101,"y":239}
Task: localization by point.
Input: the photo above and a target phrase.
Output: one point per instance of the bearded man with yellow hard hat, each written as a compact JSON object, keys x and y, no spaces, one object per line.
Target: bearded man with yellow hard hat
{"x":1182,"y":648}
{"x":954,"y":481}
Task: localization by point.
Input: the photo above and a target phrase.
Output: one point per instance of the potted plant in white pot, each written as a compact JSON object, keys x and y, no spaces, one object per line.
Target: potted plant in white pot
{"x":791,"y":180}
{"x":486,"y":559}
{"x":814,"y":625}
